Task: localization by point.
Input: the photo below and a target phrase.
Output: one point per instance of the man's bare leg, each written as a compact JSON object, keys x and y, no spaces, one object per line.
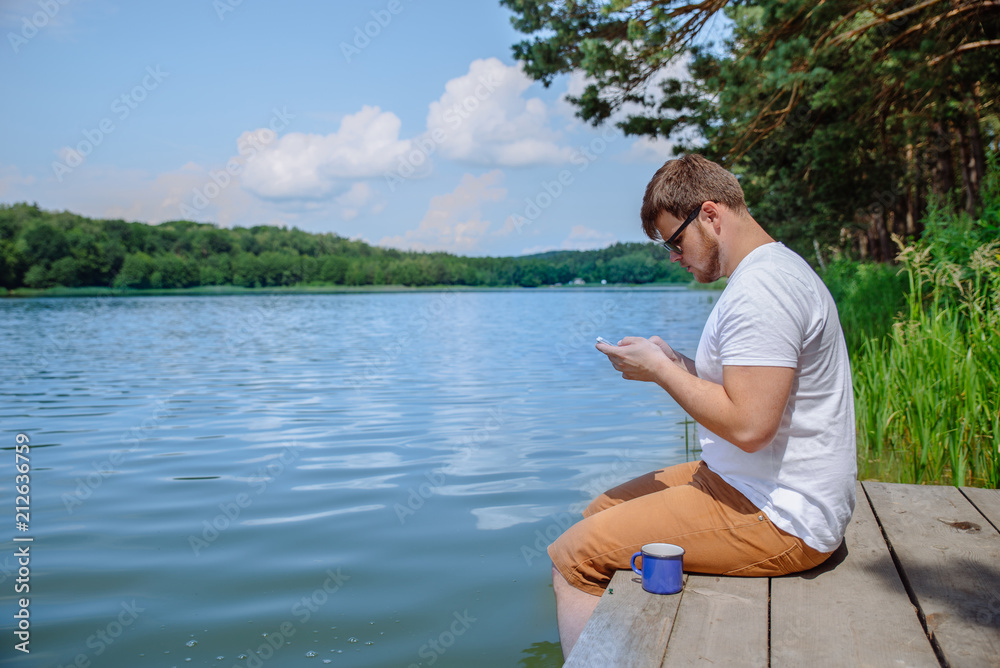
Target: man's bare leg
{"x":573,"y":609}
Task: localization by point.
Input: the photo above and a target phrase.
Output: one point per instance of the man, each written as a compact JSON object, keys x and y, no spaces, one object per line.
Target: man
{"x":770,"y":389}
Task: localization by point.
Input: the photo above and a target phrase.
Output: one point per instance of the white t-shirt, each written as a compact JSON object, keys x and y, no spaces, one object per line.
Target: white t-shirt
{"x":775,"y":311}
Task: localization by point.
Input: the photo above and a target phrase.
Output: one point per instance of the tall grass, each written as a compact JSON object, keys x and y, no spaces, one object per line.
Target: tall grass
{"x":868,"y":296}
{"x":927,"y":390}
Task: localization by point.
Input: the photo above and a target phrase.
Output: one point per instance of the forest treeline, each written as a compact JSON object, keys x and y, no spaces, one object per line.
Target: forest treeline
{"x":43,"y":249}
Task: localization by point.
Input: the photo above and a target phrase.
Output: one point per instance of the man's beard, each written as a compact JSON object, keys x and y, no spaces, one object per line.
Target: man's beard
{"x":710,"y":246}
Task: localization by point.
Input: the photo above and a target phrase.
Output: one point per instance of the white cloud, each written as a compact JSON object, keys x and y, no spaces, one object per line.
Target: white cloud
{"x":483,"y":118}
{"x":580,"y":238}
{"x":174,"y":195}
{"x":454,"y":222}
{"x":312,"y":166}
{"x":649,"y":149}
{"x":354,"y":200}
{"x":657,"y":150}
{"x":99,"y":191}
{"x":192,"y":192}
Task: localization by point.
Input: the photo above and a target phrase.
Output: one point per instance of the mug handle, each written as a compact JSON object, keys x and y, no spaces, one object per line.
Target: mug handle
{"x":637,"y":554}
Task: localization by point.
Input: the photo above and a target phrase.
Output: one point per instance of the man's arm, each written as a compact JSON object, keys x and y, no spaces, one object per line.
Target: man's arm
{"x":746,"y":409}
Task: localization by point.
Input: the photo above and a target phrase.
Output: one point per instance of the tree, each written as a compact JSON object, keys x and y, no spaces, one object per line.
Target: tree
{"x":135,"y":272}
{"x":841,"y":117}
{"x":173,"y":271}
{"x":43,"y":243}
{"x":246,"y":271}
{"x":333,"y":269}
{"x":65,"y":271}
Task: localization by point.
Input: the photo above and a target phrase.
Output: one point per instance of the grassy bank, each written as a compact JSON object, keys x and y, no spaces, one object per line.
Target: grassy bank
{"x":925,"y":348}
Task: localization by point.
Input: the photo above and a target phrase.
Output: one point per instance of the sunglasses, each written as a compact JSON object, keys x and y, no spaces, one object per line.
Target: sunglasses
{"x":671,"y":243}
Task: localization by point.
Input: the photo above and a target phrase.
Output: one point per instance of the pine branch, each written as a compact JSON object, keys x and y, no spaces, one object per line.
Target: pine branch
{"x":986,"y":43}
{"x":883,"y":20}
{"x":932,"y":22}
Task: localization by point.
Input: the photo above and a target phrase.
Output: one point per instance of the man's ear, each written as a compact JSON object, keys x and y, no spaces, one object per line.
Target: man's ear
{"x":714,"y":211}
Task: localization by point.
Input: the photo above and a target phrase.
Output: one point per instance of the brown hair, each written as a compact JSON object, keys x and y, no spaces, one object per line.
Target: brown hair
{"x":680,"y":186}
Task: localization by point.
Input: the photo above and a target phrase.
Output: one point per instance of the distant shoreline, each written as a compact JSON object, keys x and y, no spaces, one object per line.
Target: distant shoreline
{"x":229,"y":290}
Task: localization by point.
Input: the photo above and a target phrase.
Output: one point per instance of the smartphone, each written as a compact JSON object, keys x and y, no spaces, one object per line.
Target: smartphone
{"x":601,"y":339}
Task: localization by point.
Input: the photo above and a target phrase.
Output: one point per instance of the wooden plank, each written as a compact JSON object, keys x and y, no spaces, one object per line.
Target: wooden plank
{"x":629,"y":628}
{"x":852,"y":610}
{"x":987,"y":501}
{"x":720,"y":622}
{"x":950,"y":558}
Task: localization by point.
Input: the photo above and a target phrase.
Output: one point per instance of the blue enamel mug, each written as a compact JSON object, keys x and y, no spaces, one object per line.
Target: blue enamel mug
{"x":662,"y":568}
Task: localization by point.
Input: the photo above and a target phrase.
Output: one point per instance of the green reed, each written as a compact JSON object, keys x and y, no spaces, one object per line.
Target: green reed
{"x":926,"y":394}
{"x":924,"y":339}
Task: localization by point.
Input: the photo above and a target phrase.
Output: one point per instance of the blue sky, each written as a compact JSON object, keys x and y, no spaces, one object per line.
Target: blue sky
{"x":405,"y":123}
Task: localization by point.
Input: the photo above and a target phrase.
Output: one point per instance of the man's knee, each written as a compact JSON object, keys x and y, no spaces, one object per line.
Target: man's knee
{"x":602,"y":502}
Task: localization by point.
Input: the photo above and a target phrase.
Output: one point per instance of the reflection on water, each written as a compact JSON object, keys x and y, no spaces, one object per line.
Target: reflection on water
{"x":355,"y":480}
{"x":542,"y":655}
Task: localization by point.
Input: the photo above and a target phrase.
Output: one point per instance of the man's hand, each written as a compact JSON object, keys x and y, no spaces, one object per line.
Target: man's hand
{"x":640,"y":359}
{"x":643,"y":359}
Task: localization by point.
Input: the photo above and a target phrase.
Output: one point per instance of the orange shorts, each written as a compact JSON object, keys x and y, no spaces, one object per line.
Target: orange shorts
{"x":688,"y":505}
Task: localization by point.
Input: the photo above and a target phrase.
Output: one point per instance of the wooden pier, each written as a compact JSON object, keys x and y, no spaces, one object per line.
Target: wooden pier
{"x":916,"y":583}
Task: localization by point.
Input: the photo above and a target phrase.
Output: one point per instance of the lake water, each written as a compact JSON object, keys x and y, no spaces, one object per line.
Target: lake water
{"x":308,"y":480}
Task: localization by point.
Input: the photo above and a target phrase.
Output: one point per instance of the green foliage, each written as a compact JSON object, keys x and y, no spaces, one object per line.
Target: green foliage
{"x":957,"y":237}
{"x":869,"y":298}
{"x":926,"y":392}
{"x":136,"y":271}
{"x":41,"y":249}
